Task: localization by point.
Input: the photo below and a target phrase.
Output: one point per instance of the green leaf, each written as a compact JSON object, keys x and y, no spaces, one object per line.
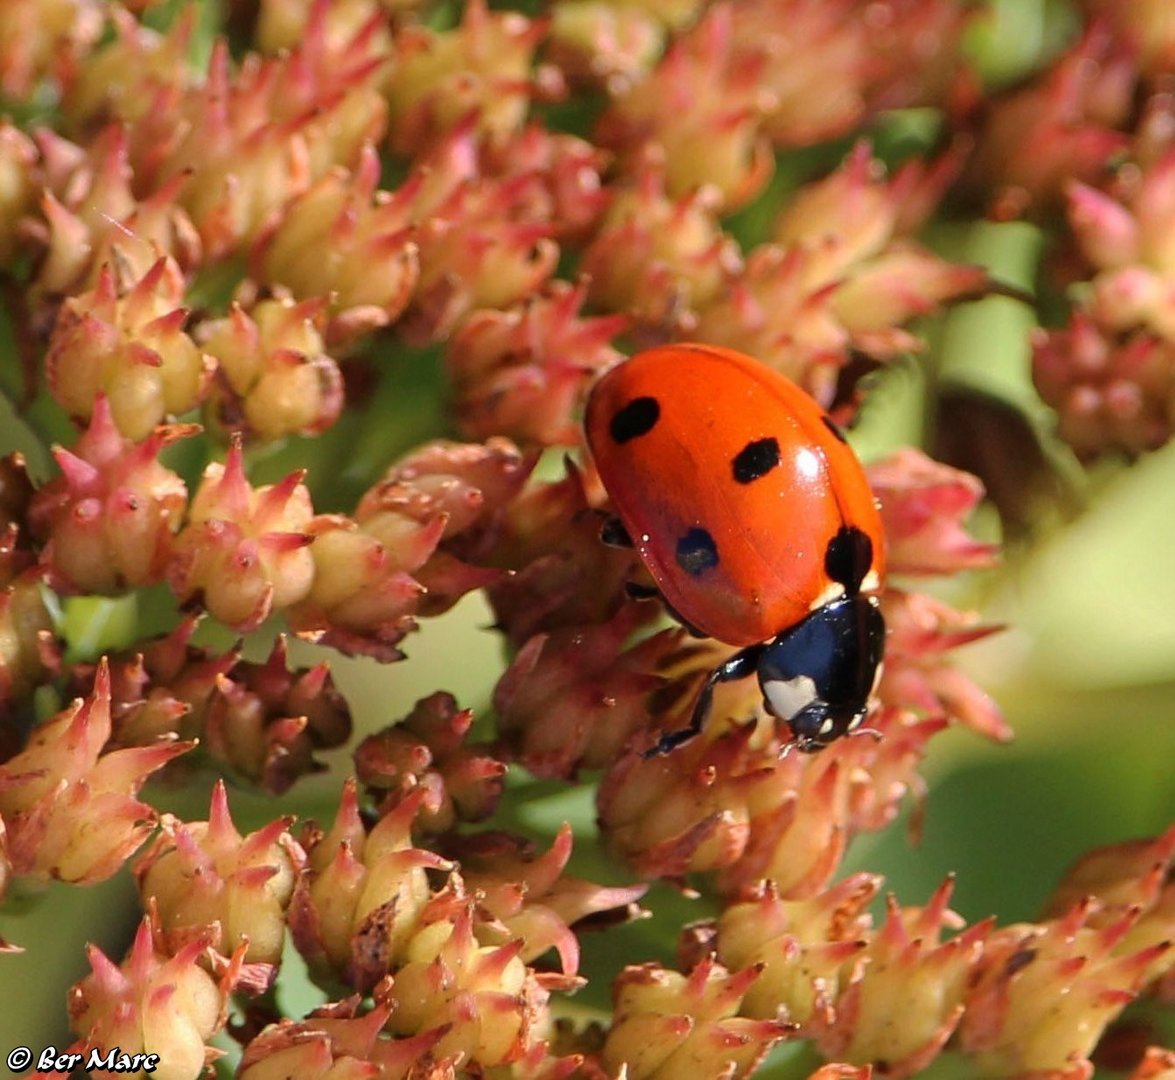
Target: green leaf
{"x":1093,"y":603}
{"x":1013,"y":38}
{"x":1010,"y":820}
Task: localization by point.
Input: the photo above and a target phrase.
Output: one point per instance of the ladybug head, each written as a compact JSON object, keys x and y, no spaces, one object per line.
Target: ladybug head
{"x":818,"y":675}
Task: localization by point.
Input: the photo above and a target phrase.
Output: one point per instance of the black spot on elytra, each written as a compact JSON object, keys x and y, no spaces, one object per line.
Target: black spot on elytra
{"x":848,"y":557}
{"x":697,"y":552}
{"x":834,"y":428}
{"x":637,"y":418}
{"x":755,"y":459}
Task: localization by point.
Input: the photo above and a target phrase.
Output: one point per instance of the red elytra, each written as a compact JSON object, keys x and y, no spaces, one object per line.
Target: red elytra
{"x":756,"y":521}
{"x":771,"y":524}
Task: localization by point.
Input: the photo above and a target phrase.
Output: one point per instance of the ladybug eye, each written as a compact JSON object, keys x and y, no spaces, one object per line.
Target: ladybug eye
{"x":786,"y":698}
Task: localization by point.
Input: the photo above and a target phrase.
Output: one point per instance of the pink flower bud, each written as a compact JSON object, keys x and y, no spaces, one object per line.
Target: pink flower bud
{"x":93,"y":216}
{"x":154,"y":1003}
{"x":907,"y":993}
{"x":209,"y":883}
{"x":1156,"y":1064}
{"x":1043,"y":994}
{"x":1106,"y":231}
{"x":55,"y":791}
{"x":899,"y":285}
{"x":656,"y":257}
{"x":273,"y":376}
{"x":564,"y":177}
{"x":493,"y":1006}
{"x":703,"y":105}
{"x":777,"y":310}
{"x":110,"y":518}
{"x":131,"y":73}
{"x":482,"y":248}
{"x":362,"y":895}
{"x":532,"y":899}
{"x":919,"y":676}
{"x":361,"y":599}
{"x":850,"y":215}
{"x":37,"y":37}
{"x":524,"y":372}
{"x":1130,"y":881}
{"x":575,"y":697}
{"x":805,"y":948}
{"x":924,"y":505}
{"x":282,"y":24}
{"x":250,"y":139}
{"x":28,"y":646}
{"x":428,"y":749}
{"x":18,"y":155}
{"x":244,"y":549}
{"x":481,"y":66}
{"x":830,"y":65}
{"x":467,"y":487}
{"x":125,"y":339}
{"x":1146,"y":26}
{"x":667,"y":1024}
{"x":1039,"y":137}
{"x":336,"y":1042}
{"x":1111,"y":391}
{"x":343,"y":239}
{"x":612,"y":43}
{"x":550,"y":539}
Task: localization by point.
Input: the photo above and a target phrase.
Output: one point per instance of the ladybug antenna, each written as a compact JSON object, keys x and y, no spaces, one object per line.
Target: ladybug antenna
{"x":877,"y":736}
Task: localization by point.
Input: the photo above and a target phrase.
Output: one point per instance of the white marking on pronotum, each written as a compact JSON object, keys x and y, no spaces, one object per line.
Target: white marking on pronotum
{"x":788,"y":696}
{"x":834,"y":590}
{"x":871,"y":582}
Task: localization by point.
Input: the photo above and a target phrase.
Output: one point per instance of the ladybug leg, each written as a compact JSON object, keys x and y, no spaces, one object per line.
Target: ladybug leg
{"x":614,"y":534}
{"x":636,"y":591}
{"x":740,"y":666}
{"x":693,"y":631}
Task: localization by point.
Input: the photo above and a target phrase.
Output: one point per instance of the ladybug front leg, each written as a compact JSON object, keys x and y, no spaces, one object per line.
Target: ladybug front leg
{"x":740,"y":666}
{"x":614,"y":534}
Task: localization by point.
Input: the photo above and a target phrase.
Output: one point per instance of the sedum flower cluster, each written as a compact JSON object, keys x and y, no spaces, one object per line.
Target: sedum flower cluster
{"x":301,"y":304}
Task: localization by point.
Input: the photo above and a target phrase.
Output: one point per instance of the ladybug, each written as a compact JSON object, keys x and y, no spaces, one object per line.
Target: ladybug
{"x":757,"y":523}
